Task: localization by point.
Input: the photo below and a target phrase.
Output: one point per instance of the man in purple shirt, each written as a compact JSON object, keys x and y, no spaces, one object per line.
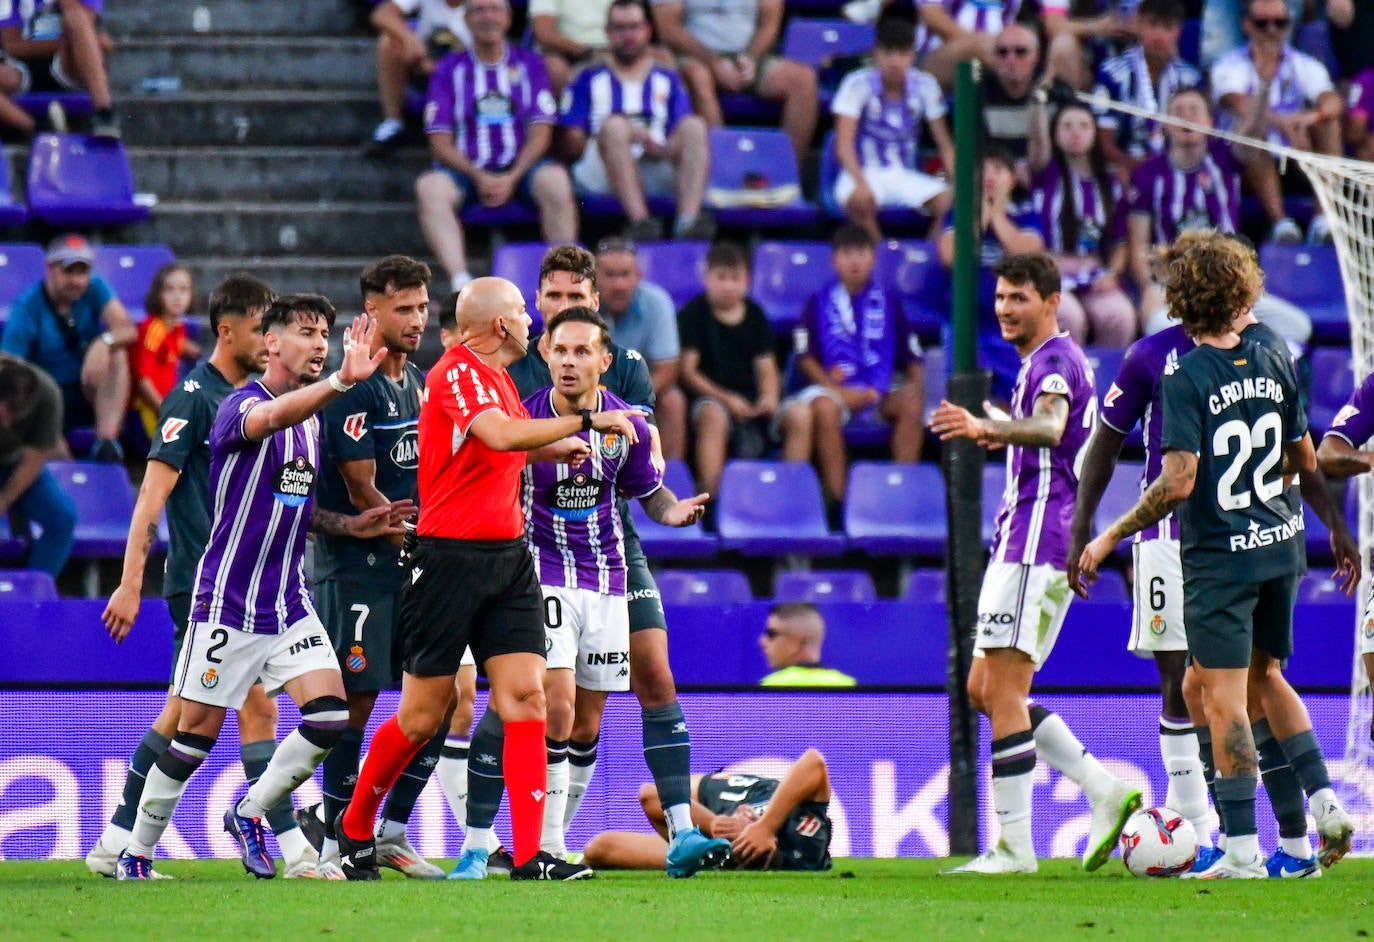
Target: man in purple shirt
{"x":577,"y":539}
{"x":638,"y":119}
{"x":252,"y":617}
{"x":490,"y":119}
{"x":1194,"y":184}
{"x":1025,"y":593}
{"x":860,"y":359}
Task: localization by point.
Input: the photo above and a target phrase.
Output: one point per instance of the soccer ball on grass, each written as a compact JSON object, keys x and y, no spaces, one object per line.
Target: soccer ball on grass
{"x":1158,"y":842}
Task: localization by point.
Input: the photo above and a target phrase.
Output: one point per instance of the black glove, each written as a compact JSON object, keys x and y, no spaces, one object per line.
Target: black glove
{"x":408,"y":542}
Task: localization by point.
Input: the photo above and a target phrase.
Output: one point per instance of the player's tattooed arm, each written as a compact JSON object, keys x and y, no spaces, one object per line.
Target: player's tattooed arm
{"x":663,"y":507}
{"x":1043,"y":428}
{"x":387,"y":520}
{"x":328,"y":522}
{"x":1339,"y":459}
{"x":1171,"y":488}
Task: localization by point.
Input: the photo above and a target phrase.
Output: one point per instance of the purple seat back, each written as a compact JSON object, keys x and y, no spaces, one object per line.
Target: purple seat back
{"x":1310,"y":277}
{"x":518,"y":262}
{"x":1333,"y":380}
{"x":896,"y":509}
{"x":104,"y":500}
{"x":818,"y":42}
{"x":715,"y":587}
{"x":21,"y":266}
{"x":832,"y":585}
{"x":26,"y":585}
{"x":756,"y":153}
{"x":676,"y":267}
{"x":774,"y":508}
{"x":785,"y":275}
{"x":75,"y":180}
{"x":129,"y":270}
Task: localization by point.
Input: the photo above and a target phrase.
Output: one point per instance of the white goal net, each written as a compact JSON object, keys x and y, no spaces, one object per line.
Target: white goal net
{"x":1345,"y":191}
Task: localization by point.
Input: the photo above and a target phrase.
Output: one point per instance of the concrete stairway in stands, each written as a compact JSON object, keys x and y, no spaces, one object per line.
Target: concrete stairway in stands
{"x":255,"y":152}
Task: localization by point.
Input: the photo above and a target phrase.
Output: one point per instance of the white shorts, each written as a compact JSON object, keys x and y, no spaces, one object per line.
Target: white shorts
{"x":656,"y":175}
{"x":218,"y":664}
{"x":1158,"y":621}
{"x":1022,"y":607}
{"x":892,"y":186}
{"x":1365,"y":643}
{"x":589,"y":633}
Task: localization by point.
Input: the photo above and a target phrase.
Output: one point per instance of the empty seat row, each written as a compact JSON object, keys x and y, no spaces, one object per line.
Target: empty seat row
{"x":74,"y":180}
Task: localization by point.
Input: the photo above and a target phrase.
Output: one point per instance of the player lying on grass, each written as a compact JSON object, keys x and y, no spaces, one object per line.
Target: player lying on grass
{"x":772,"y":824}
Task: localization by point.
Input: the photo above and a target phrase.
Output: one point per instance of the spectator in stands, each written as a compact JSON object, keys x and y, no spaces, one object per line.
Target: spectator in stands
{"x":1352,"y":36}
{"x":878,"y":114}
{"x":1078,"y":202}
{"x":11,"y":115}
{"x":641,"y":317}
{"x":30,"y":435}
{"x":1304,"y":110}
{"x":1222,"y":31}
{"x":1079,"y":38}
{"x":406,"y":55}
{"x":724,"y":46}
{"x":58,"y":46}
{"x":490,"y":119}
{"x":1007,"y":97}
{"x":1359,"y":104}
{"x":861,"y":360}
{"x":1006,"y":226}
{"x":154,"y":358}
{"x":570,"y":34}
{"x":955,"y":30}
{"x":638,"y":119}
{"x":1146,"y":75}
{"x":728,"y":368}
{"x":791,"y":643}
{"x":72,"y":325}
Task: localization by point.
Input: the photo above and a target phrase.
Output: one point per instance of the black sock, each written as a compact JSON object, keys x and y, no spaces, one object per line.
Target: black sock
{"x":150,"y":748}
{"x":400,"y":801}
{"x":1305,"y":756}
{"x":1280,"y":784}
{"x":486,"y":782}
{"x":340,"y":770}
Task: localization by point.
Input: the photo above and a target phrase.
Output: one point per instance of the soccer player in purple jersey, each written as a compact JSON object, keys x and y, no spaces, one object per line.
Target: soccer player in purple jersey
{"x":252,"y":616}
{"x":490,"y":118}
{"x":1025,"y":594}
{"x":576,"y":537}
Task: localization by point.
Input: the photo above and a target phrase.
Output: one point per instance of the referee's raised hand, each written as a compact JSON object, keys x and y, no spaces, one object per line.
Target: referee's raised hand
{"x":618,"y":421}
{"x":359,"y":362}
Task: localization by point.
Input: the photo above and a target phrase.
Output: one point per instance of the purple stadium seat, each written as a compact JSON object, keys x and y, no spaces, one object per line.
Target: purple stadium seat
{"x":744,"y":109}
{"x":512,"y":214}
{"x":26,"y":585}
{"x":925,"y":585}
{"x":12,"y":213}
{"x":746,"y":159}
{"x":829,"y":585}
{"x":518,"y":262}
{"x":10,"y":546}
{"x":1310,"y":277}
{"x":774,"y":509}
{"x":715,"y":587}
{"x":896,"y":509}
{"x":129,"y":270}
{"x":76,"y":180}
{"x":21,"y":267}
{"x":817,"y":43}
{"x":1106,"y":363}
{"x":1316,"y":586}
{"x":676,"y":267}
{"x":911,"y":270}
{"x":673,"y":542}
{"x":1333,"y":380}
{"x":104,"y":501}
{"x":607,"y":204}
{"x":785,"y":275}
{"x":36,"y":103}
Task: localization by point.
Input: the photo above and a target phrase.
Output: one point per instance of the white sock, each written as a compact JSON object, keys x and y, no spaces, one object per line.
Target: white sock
{"x":293,"y":762}
{"x":556,"y":795}
{"x":329,"y":849}
{"x":293,"y":844}
{"x":453,"y":779}
{"x":579,"y":777}
{"x":1298,"y":847}
{"x":388,"y":829}
{"x":679,"y":818}
{"x":1244,"y":848}
{"x":1187,"y":792}
{"x":1011,"y":796}
{"x":1320,"y":797}
{"x":161,"y":793}
{"x":1061,"y":750}
{"x":388,"y":128}
{"x":479,"y":839}
{"x":114,"y":838}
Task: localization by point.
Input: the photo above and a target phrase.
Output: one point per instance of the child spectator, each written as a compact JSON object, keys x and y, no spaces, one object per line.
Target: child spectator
{"x":727,"y":367}
{"x":1077,"y":199}
{"x":162,"y":343}
{"x":852,"y":348}
{"x":878,"y":113}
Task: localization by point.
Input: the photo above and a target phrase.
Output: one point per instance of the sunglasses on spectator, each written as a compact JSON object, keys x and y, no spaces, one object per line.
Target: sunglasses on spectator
{"x":771,"y":633}
{"x":1005,"y":52}
{"x":1276,"y":23}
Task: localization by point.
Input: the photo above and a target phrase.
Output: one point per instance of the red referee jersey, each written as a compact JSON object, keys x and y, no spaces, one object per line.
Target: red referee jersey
{"x":467,"y":490}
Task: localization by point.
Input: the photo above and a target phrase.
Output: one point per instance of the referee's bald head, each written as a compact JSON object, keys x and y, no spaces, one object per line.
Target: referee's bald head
{"x":491,"y":307}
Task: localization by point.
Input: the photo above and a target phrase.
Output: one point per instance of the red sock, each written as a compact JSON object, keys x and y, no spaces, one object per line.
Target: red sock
{"x":526,"y":766}
{"x":387,"y":756}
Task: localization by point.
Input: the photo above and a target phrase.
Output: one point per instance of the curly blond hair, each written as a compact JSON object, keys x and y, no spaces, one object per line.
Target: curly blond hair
{"x":1209,"y":279}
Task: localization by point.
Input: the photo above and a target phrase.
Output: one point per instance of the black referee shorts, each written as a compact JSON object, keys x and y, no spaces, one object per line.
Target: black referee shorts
{"x":469,"y":592}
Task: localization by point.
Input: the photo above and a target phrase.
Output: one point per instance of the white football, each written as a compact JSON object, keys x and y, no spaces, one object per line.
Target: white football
{"x":1158,"y":842}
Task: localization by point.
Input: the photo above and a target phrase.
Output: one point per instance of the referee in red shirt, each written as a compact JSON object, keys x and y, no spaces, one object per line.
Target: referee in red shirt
{"x":472,"y":581}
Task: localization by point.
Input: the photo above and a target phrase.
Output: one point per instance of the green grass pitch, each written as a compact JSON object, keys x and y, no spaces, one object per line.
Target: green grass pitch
{"x":889,"y":900}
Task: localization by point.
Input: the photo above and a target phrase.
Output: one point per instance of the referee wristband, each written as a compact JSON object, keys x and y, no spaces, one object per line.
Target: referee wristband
{"x":586,"y":419}
{"x":337,"y":384}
